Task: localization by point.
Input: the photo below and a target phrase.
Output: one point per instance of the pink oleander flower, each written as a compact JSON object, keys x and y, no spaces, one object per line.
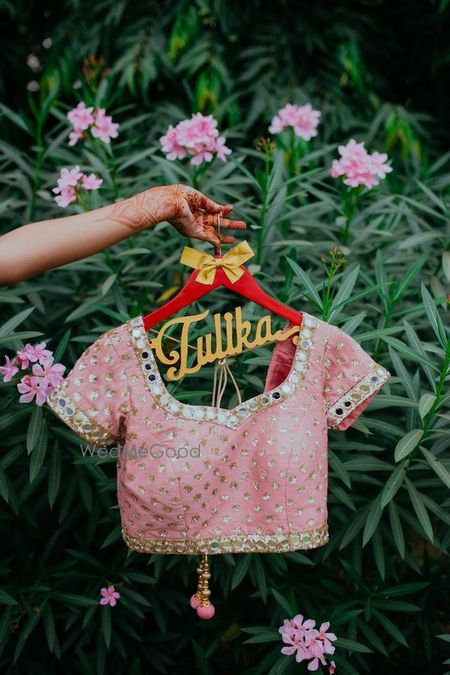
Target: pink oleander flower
{"x":9,"y":369}
{"x":93,"y":121}
{"x":69,"y":177}
{"x":31,"y":386}
{"x":302,"y":118}
{"x":91,"y":182}
{"x":50,"y":374}
{"x":197,"y":137}
{"x":306,"y":642}
{"x":70,"y":183}
{"x":81,"y":117}
{"x":110,"y":596}
{"x":33,"y":354}
{"x":358,"y":166}
{"x":104,"y":128}
{"x":44,"y":378}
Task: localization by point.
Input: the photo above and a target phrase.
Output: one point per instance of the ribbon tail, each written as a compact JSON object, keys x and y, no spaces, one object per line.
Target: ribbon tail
{"x":233,"y":273}
{"x":206,"y":275}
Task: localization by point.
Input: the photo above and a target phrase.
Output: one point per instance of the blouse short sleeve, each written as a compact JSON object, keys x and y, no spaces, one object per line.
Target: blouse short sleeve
{"x":351,"y":379}
{"x":93,"y":399}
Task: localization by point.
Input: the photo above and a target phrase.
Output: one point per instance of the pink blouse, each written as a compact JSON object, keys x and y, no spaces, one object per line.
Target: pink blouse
{"x":195,"y":479}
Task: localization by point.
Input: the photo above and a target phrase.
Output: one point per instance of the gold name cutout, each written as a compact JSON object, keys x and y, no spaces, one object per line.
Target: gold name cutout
{"x":237,"y":339}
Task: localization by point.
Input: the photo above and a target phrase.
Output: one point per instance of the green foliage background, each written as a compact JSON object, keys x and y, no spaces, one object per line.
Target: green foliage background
{"x":377,"y":71}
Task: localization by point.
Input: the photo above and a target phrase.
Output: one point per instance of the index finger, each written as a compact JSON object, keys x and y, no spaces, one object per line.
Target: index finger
{"x":201,"y":201}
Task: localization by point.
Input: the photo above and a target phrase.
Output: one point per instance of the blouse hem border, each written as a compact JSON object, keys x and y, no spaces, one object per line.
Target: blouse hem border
{"x":238,"y":543}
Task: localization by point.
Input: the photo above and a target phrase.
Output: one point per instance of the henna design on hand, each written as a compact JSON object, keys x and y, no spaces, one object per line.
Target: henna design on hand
{"x":137,"y":213}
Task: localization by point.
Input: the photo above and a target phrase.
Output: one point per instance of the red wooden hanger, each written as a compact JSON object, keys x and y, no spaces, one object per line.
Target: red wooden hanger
{"x":246,"y":286}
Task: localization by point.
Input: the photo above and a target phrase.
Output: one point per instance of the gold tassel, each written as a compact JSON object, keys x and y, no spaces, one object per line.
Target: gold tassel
{"x":200,"y":600}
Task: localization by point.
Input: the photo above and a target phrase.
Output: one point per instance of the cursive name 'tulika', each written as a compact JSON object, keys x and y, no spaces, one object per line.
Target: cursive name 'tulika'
{"x":217,"y":345}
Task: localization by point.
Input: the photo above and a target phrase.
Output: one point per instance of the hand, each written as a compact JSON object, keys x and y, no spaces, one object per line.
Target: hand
{"x":196,"y":216}
{"x":187,"y":209}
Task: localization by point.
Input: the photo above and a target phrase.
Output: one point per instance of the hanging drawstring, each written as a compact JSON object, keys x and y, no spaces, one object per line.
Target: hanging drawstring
{"x":200,"y":600}
{"x":218,"y":388}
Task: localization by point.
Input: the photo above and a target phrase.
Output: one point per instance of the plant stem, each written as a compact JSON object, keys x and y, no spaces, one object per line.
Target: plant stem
{"x":37,"y":169}
{"x":430,"y":414}
{"x":263,"y":210}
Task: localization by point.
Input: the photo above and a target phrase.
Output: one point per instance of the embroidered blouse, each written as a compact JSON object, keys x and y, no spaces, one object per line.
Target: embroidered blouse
{"x":198,"y":479}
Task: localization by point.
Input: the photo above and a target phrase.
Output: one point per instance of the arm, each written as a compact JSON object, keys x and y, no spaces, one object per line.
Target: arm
{"x":40,"y":246}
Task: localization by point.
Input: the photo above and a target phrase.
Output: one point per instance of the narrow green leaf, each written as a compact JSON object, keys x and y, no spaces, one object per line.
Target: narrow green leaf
{"x":378,"y":550}
{"x":393,"y":484}
{"x":437,"y":466}
{"x":15,"y":321}
{"x":425,"y":404}
{"x":16,"y":119}
{"x":373,"y":518}
{"x":258,"y":639}
{"x":240,"y":571}
{"x":419,"y":508}
{"x":106,"y":285}
{"x":338,"y":468}
{"x":260,"y":576}
{"x":356,"y":524}
{"x":446,"y":264}
{"x":70,"y":599}
{"x":434,"y":198}
{"x":434,"y":317}
{"x":106,"y":624}
{"x":4,"y":484}
{"x":202,"y":666}
{"x":54,"y":475}
{"x":390,"y":628}
{"x":49,"y":627}
{"x":281,"y":600}
{"x":405,"y":589}
{"x":39,"y":452}
{"x":34,"y":427}
{"x":409,"y":277}
{"x":134,"y":595}
{"x":418,"y":346}
{"x":344,"y":292}
{"x":409,"y":353}
{"x":28,"y":627}
{"x":61,"y":348}
{"x":282,"y":664}
{"x":407,"y":444}
{"x":351,"y":646}
{"x":396,"y":528}
{"x":7,"y":599}
{"x":306,"y":280}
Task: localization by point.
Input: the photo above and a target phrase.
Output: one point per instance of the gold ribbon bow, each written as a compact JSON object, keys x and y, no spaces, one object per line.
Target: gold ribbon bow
{"x":207,"y":264}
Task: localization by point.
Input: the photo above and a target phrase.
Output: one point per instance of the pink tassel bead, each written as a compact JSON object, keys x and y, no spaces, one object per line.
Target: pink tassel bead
{"x":206,"y":611}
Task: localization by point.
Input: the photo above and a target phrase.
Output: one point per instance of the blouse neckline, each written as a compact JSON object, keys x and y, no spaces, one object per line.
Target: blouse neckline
{"x":228,"y":417}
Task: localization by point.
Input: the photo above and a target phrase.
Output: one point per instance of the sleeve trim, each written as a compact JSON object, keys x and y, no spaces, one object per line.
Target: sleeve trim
{"x":85,"y":427}
{"x":360,"y":391}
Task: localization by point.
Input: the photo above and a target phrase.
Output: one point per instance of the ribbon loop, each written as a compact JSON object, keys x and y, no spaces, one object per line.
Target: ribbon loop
{"x":230,"y":262}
